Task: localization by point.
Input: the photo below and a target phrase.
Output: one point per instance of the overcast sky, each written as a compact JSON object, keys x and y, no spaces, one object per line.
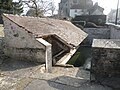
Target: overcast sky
{"x":106,"y":4}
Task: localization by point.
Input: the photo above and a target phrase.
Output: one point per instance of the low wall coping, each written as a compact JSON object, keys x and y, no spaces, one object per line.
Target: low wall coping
{"x":106,"y":43}
{"x":113,"y":25}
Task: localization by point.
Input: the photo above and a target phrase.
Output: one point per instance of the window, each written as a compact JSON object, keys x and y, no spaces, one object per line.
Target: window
{"x":74,"y":1}
{"x":75,"y":10}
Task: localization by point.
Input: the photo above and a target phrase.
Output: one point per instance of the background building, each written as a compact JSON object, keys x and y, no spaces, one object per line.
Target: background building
{"x":67,"y":6}
{"x":96,"y":10}
{"x":71,"y":8}
{"x":112,"y":16}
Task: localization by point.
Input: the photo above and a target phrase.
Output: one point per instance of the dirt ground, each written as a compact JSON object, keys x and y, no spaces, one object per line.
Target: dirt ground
{"x":21,"y":75}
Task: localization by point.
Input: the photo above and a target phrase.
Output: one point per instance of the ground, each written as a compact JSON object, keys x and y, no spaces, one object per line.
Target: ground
{"x":1,"y":30}
{"x":21,"y":75}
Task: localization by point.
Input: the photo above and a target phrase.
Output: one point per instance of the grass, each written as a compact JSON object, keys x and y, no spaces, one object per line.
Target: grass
{"x":74,"y":58}
{"x":1,"y":30}
{"x":80,"y":56}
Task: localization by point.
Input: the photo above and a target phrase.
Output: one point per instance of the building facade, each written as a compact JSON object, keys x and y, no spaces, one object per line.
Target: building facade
{"x":112,"y":16}
{"x":77,"y":10}
{"x":66,"y":7}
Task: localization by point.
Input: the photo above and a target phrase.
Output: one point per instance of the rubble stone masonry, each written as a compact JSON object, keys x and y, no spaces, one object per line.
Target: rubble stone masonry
{"x":106,"y":58}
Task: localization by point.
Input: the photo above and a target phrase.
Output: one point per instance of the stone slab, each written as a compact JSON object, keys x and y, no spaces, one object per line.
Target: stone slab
{"x":106,"y":43}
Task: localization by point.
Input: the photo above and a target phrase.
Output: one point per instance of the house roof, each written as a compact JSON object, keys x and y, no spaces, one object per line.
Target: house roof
{"x":46,"y":26}
{"x":95,"y":7}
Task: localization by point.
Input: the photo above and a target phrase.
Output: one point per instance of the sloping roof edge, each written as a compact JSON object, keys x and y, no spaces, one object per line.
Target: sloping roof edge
{"x":4,"y":15}
{"x":71,"y":42}
{"x":60,"y":39}
{"x":57,"y":37}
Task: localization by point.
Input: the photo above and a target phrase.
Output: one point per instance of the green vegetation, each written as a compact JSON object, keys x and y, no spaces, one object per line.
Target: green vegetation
{"x":80,"y":56}
{"x":8,"y":6}
{"x":17,"y":7}
{"x":74,"y":58}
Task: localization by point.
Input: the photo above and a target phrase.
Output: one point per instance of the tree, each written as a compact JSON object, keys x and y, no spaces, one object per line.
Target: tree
{"x":8,"y":6}
{"x":40,"y":7}
{"x":32,"y":12}
{"x":17,"y":7}
{"x":52,"y":8}
{"x":5,"y":6}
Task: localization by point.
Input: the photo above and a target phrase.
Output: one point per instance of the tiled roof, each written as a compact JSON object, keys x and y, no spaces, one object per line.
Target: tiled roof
{"x":96,"y":6}
{"x":46,"y":26}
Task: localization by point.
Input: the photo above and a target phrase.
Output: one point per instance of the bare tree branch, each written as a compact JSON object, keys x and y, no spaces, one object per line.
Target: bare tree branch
{"x":40,"y":6}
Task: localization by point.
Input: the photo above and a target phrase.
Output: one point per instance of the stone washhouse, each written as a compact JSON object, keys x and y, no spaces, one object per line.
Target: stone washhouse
{"x":43,"y":40}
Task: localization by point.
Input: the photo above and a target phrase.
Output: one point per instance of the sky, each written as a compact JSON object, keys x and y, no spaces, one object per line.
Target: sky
{"x":106,"y":4}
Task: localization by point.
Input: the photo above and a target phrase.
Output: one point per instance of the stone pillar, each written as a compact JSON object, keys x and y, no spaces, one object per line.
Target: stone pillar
{"x":48,"y":54}
{"x":48,"y":57}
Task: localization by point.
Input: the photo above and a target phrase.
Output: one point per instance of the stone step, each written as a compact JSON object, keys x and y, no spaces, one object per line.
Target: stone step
{"x":68,"y":76}
{"x":67,"y":80}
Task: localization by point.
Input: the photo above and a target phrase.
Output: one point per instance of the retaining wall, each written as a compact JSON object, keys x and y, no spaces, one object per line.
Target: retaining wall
{"x":106,"y":58}
{"x":96,"y":33}
{"x":114,"y":31}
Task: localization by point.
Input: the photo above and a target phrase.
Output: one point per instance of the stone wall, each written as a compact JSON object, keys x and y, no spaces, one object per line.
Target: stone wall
{"x":1,"y":50}
{"x":1,"y":42}
{"x":21,"y":44}
{"x":96,"y":33}
{"x":106,"y":58}
{"x":110,"y":32}
{"x":114,"y":32}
